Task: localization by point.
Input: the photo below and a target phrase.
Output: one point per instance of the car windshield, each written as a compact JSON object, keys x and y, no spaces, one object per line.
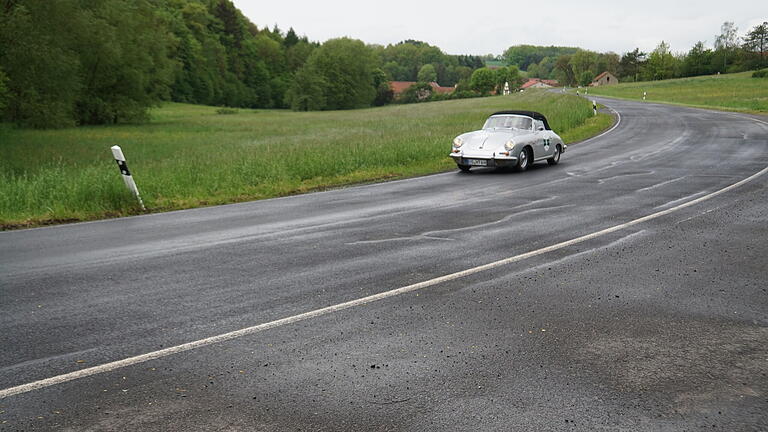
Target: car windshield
{"x":508,"y":122}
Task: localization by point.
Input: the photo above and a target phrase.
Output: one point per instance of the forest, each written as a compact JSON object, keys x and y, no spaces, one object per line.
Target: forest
{"x":85,"y":62}
{"x":574,"y":66}
{"x":80,"y":62}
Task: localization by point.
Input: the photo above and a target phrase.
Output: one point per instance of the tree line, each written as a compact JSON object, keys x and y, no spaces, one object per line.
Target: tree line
{"x":574,"y":66}
{"x":80,"y":62}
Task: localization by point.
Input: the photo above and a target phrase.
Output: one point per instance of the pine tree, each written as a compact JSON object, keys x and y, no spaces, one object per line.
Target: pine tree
{"x":756,"y":40}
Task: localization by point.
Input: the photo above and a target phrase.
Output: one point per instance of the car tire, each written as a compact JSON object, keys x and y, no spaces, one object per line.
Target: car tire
{"x":523,"y":160}
{"x":464,"y":168}
{"x":555,"y":159}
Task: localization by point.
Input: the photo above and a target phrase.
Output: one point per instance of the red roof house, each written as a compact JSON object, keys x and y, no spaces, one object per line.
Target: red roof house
{"x":539,"y":83}
{"x":399,"y":87}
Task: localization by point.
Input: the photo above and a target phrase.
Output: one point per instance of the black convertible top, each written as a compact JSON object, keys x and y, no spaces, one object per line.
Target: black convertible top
{"x":533,"y":114}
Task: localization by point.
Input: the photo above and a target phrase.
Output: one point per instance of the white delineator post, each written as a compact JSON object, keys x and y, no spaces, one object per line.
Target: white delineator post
{"x":594,"y":107}
{"x":117,"y":152}
{"x":644,"y":93}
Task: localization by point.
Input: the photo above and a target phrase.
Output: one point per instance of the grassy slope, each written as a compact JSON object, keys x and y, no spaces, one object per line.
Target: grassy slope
{"x":737,"y":92}
{"x":190,"y":156}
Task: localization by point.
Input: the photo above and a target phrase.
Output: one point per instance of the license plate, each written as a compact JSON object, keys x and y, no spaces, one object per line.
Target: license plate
{"x":477,"y":162}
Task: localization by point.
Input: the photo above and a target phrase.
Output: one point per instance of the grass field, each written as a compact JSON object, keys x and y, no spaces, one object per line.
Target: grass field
{"x":190,"y":156}
{"x":737,"y":92}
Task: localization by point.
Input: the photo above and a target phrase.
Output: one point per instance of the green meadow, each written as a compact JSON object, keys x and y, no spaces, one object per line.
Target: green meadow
{"x":191,"y":155}
{"x":736,"y":92}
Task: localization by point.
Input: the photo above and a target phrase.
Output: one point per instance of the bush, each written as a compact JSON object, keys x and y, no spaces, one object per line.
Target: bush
{"x":420,"y":92}
{"x":459,"y":94}
{"x":225,"y":111}
{"x":424,"y":93}
{"x":762,"y":73}
{"x":384,"y":94}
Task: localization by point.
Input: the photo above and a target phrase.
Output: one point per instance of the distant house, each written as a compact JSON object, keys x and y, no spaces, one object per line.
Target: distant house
{"x":399,"y":87}
{"x":539,"y":83}
{"x":440,"y":89}
{"x":605,"y":78}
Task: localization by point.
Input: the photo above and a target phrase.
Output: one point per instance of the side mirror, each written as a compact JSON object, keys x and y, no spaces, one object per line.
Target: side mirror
{"x":541,"y":128}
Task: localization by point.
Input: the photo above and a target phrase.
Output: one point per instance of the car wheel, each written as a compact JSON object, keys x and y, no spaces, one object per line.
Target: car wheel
{"x":464,"y":168}
{"x":523,"y":160}
{"x":555,"y":157}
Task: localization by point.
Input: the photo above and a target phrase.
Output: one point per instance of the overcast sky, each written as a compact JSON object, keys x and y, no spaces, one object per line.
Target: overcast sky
{"x":491,"y":26}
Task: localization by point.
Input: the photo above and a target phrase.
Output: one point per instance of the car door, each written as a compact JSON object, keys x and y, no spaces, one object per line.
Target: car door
{"x":543,"y":144}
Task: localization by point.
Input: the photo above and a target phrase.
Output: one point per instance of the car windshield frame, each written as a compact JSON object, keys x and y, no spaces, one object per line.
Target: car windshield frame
{"x":510,"y":121}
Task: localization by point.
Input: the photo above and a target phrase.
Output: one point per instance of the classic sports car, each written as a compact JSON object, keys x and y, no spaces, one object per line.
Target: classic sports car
{"x":509,"y":139}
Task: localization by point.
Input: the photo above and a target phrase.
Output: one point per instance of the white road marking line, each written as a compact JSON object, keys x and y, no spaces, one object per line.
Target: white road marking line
{"x":618,"y":122}
{"x":107,"y":367}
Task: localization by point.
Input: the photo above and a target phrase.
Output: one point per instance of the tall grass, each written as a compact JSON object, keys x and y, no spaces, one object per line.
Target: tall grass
{"x":737,"y":91}
{"x":189,"y":155}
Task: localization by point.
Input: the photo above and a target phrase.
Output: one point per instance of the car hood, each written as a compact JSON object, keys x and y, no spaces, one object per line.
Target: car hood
{"x":489,"y":140}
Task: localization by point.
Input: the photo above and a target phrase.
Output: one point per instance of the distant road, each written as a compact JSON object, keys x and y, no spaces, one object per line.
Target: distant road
{"x":610,"y":301}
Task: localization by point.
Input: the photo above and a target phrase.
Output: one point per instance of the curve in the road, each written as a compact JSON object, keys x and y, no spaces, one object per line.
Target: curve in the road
{"x":688,"y":201}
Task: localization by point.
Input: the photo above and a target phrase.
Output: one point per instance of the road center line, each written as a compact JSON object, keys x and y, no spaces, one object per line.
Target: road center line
{"x":107,"y":367}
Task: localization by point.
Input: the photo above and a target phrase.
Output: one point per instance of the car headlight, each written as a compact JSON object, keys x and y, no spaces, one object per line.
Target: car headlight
{"x":509,"y":145}
{"x":457,"y":142}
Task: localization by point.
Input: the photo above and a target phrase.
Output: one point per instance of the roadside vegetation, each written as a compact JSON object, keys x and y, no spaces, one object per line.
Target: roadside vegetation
{"x":738,"y":92}
{"x":71,"y":62}
{"x":733,"y":51}
{"x":192,"y":155}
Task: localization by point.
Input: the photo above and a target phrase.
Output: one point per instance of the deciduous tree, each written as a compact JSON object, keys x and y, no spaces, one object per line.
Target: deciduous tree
{"x":509,"y":75}
{"x":344,"y":70}
{"x":483,"y":81}
{"x":584,"y":61}
{"x":661,"y":63}
{"x":726,"y":42}
{"x":524,"y":55}
{"x":427,"y":74}
{"x":564,"y":72}
{"x":307,"y":91}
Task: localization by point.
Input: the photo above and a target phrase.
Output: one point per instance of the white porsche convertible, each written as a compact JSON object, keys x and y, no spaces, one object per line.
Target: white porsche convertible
{"x":509,"y":139}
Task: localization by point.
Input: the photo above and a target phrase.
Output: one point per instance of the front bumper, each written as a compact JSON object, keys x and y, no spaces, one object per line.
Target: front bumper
{"x":496,"y":161}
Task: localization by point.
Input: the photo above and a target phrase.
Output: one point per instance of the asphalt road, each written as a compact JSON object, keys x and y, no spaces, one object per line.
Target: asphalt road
{"x":659,"y":325}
